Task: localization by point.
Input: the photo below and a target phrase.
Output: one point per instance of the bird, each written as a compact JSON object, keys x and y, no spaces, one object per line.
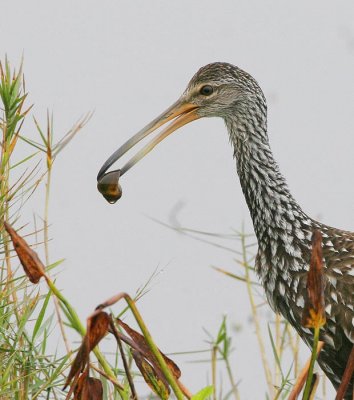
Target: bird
{"x":282,"y":228}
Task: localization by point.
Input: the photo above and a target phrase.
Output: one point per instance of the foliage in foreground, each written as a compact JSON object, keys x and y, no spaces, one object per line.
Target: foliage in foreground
{"x":29,"y":367}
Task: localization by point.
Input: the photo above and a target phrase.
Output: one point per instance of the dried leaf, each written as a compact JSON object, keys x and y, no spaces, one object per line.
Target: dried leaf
{"x":30,"y":261}
{"x":93,"y":390}
{"x":155,"y":380}
{"x":141,"y":342}
{"x":88,"y":388}
{"x":79,"y":363}
{"x":314,"y":310}
{"x":97,"y":327}
{"x":79,"y":385}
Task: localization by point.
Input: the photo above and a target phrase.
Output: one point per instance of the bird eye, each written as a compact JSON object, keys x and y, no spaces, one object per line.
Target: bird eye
{"x":206,"y":90}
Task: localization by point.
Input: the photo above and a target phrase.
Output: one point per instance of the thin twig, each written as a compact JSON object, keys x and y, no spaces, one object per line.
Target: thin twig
{"x":184,"y":390}
{"x":110,"y":378}
{"x":277,"y":371}
{"x":49,"y":164}
{"x":115,"y":332}
{"x":213,"y":370}
{"x":314,"y":386}
{"x":347,"y":376}
{"x":234,"y":387}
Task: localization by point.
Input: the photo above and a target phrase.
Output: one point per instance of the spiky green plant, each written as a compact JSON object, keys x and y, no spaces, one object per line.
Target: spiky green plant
{"x":26,"y":368}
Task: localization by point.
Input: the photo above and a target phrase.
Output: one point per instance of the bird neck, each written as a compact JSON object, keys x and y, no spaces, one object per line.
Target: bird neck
{"x":276,"y":215}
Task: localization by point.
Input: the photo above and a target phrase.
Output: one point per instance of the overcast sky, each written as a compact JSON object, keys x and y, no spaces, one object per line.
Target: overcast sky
{"x":128,"y":61}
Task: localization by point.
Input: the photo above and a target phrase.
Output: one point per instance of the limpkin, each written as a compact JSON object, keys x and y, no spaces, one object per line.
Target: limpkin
{"x":282,"y":228}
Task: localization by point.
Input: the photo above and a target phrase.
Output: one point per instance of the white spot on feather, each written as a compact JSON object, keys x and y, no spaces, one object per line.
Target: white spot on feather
{"x":328,"y":308}
{"x":300,"y":302}
{"x":328,"y":339}
{"x":332,"y":280}
{"x":281,"y":288}
{"x":334,"y":296}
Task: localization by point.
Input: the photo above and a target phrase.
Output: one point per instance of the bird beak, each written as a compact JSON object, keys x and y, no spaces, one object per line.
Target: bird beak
{"x":180,"y":112}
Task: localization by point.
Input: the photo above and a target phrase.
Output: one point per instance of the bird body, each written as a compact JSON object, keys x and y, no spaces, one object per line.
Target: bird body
{"x":283,"y":230}
{"x":284,"y":235}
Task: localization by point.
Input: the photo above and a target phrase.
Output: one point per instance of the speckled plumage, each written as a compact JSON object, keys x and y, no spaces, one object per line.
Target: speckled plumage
{"x":283,"y":230}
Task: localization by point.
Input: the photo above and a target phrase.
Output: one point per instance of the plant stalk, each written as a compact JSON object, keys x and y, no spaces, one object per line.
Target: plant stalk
{"x":307,"y":390}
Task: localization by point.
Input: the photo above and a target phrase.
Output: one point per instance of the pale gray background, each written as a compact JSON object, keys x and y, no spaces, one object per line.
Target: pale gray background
{"x":128,"y":61}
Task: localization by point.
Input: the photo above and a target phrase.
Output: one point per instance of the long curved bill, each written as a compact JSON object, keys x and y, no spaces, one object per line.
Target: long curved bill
{"x":180,"y":112}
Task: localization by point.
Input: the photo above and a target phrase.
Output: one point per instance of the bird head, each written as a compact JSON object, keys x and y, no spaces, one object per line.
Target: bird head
{"x":216,"y":90}
{"x":220,"y":89}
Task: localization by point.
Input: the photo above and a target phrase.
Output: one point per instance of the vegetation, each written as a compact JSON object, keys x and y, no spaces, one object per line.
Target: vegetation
{"x":30,"y":368}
